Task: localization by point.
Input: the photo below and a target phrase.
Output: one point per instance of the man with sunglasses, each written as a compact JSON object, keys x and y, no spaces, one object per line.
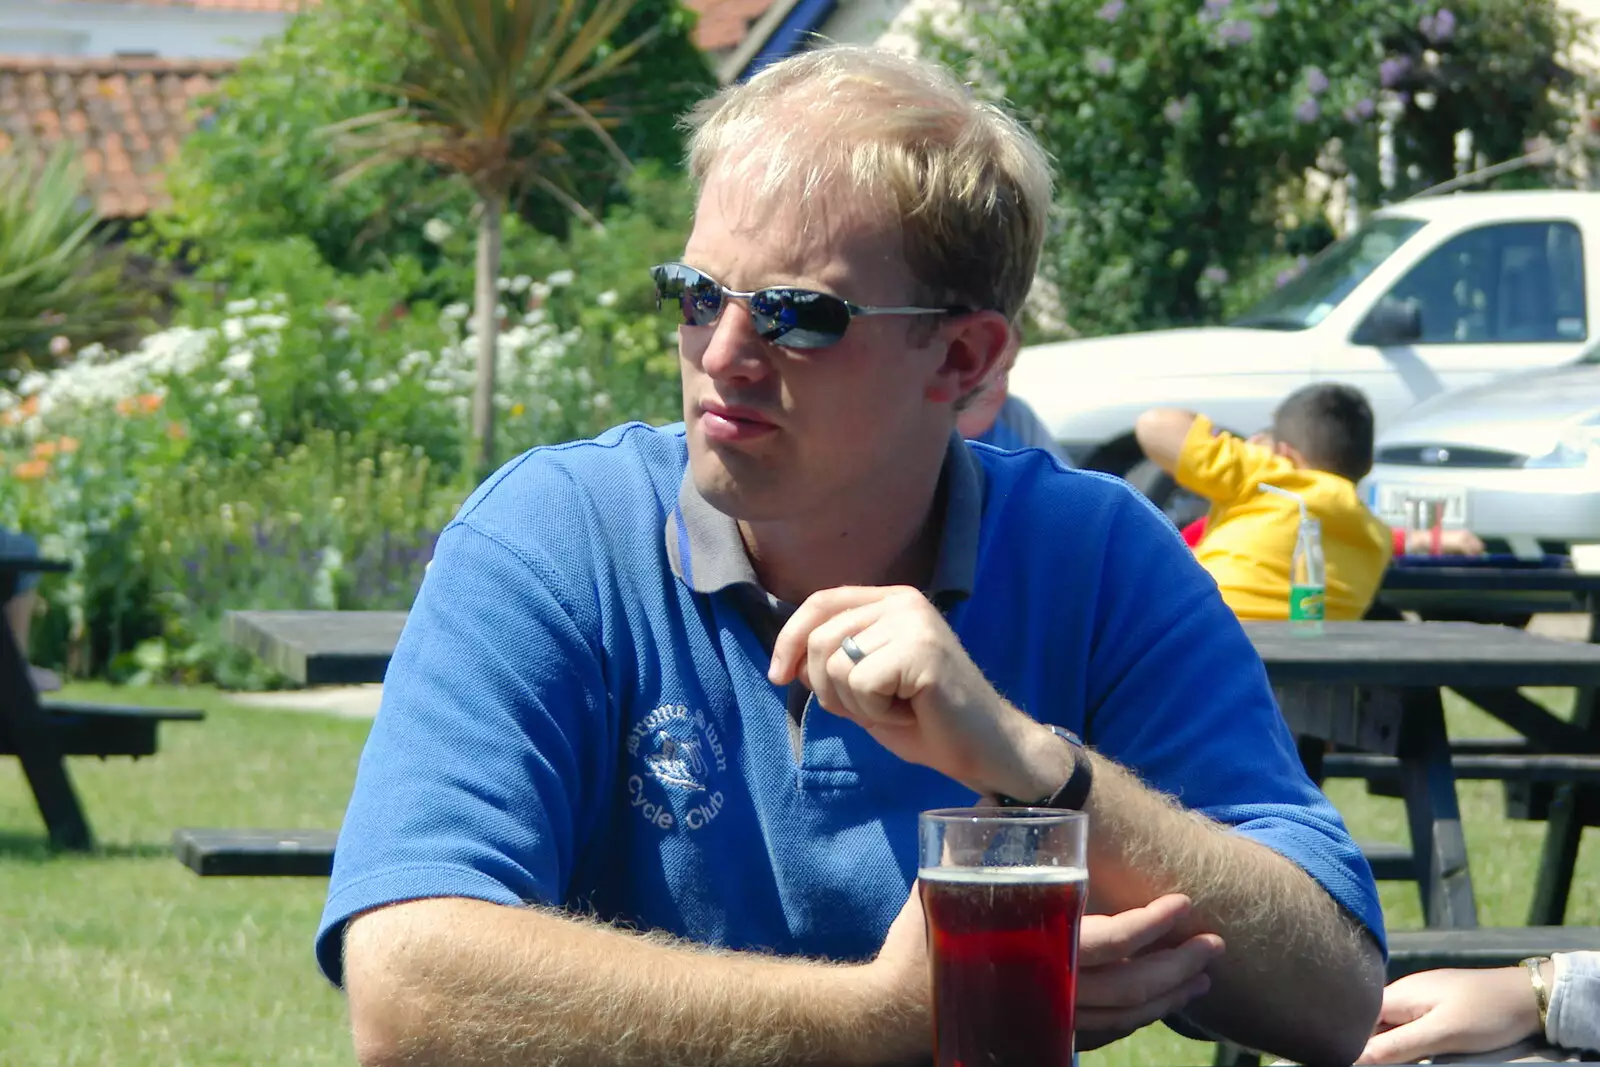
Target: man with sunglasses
{"x":645,"y":781}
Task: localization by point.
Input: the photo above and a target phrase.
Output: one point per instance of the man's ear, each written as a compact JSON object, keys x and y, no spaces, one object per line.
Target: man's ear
{"x":974,"y":346}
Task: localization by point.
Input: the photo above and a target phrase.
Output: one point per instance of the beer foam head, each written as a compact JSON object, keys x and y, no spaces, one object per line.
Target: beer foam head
{"x":995,"y":875}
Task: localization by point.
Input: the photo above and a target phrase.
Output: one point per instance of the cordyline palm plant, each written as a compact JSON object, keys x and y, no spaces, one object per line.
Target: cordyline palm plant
{"x":56,"y":276}
{"x":495,"y":91}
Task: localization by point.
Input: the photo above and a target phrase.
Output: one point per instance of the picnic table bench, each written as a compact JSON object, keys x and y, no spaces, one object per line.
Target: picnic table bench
{"x":42,"y":733}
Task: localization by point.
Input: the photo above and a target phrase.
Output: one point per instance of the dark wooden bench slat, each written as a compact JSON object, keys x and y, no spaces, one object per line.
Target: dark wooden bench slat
{"x":103,"y":730}
{"x":1390,"y":862}
{"x":120,"y":711}
{"x":1483,"y":946}
{"x":1497,"y":767}
{"x":214,"y":852}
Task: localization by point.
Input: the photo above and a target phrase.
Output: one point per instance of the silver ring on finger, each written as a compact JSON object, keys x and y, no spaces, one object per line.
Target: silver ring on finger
{"x":849,"y":647}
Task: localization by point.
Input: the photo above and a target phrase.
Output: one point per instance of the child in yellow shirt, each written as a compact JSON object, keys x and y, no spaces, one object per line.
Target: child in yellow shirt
{"x":1319,"y":447}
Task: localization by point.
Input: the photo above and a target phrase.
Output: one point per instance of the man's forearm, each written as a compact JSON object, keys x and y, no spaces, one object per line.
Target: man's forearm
{"x":465,"y":982}
{"x":1299,"y":978}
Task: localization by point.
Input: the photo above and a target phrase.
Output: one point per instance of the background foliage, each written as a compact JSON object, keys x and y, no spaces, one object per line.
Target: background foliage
{"x":1177,"y":126}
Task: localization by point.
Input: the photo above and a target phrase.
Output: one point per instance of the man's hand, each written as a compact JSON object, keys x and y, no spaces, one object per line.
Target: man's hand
{"x":1437,"y":1012}
{"x":916,"y":690}
{"x":1128,"y":975}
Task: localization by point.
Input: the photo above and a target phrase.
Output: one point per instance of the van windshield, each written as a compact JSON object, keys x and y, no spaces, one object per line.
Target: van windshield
{"x":1307,"y":298}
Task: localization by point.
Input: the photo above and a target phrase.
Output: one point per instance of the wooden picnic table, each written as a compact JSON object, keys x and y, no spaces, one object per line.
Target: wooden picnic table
{"x":319,"y":647}
{"x":1375,"y":687}
{"x":1371,"y":686}
{"x":1502,"y":591}
{"x":41,"y":735}
{"x":1567,"y":807}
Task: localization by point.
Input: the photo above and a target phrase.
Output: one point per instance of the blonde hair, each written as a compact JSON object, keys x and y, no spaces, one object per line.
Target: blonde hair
{"x":969,"y":184}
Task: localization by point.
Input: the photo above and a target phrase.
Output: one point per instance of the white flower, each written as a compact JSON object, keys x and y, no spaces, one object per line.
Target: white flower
{"x":602,"y":401}
{"x":240,"y":307}
{"x":560,"y":278}
{"x":245,"y":419}
{"x":503,"y":284}
{"x":238,"y":364}
{"x":538,"y":292}
{"x":607,"y":298}
{"x":454,"y":312}
{"x":437,"y":231}
{"x":520,"y":283}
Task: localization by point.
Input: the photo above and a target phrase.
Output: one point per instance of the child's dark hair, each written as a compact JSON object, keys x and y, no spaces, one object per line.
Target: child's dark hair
{"x":1330,"y":424}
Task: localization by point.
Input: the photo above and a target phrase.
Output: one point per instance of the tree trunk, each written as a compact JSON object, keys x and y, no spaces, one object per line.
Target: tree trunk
{"x":488,"y":305}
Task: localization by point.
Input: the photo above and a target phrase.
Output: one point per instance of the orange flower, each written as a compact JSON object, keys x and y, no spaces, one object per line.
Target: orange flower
{"x":30,"y":407}
{"x":68,"y":445}
{"x":125,"y":406}
{"x":32,"y":470}
{"x":44,"y":450}
{"x":176,"y":431}
{"x":150,"y":402}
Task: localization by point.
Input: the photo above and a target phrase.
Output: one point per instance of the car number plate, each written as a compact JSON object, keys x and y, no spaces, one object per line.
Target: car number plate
{"x":1389,"y":502}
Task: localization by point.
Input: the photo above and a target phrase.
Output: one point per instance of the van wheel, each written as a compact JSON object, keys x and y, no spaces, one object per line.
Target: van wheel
{"x":1177,"y":503}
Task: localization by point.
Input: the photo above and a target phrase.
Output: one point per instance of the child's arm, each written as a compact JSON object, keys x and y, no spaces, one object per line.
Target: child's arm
{"x":1161,"y":433}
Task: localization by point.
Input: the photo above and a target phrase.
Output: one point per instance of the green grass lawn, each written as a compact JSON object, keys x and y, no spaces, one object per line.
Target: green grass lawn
{"x":125,"y":957}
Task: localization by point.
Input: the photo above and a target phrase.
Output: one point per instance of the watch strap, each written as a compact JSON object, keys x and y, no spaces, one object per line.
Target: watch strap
{"x":1074,"y":792}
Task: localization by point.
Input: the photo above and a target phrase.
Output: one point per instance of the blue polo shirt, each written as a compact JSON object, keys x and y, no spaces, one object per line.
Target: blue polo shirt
{"x":578,"y":712}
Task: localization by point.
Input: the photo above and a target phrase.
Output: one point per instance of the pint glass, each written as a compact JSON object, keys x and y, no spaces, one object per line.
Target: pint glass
{"x":1003,"y":891}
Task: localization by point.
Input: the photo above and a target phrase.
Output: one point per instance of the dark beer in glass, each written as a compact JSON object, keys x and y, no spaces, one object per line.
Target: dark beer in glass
{"x":1003,"y":893}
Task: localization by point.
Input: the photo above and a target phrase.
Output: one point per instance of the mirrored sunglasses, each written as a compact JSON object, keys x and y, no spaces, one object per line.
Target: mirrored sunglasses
{"x":782,"y":314}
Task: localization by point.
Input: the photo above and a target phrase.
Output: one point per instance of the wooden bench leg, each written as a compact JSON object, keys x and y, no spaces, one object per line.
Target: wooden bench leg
{"x":37,"y":751}
{"x":1558,"y":859}
{"x":1428,"y":784}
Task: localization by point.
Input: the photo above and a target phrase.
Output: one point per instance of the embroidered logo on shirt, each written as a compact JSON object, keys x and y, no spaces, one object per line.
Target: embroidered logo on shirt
{"x":677,"y":749}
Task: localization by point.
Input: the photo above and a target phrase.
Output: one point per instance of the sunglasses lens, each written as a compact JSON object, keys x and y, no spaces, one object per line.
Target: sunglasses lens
{"x":699,"y":299}
{"x":799,"y":318}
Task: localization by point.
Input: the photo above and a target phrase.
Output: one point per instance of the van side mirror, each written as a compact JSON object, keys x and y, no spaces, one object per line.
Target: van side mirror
{"x":1392,"y":322}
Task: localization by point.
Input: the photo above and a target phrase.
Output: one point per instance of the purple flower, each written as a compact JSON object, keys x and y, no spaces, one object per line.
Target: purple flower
{"x":1307,"y":110}
{"x":1215,"y":275}
{"x":1111,"y":10}
{"x":1235,"y":31}
{"x":1316,"y":81}
{"x":1440,"y":27}
{"x":1102,"y":64}
{"x":1214,"y":10}
{"x":1360,"y":111}
{"x":1284,"y":277}
{"x":1267,"y":8}
{"x":1391,"y":70}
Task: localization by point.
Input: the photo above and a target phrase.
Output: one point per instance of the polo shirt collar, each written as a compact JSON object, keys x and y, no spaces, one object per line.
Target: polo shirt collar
{"x":707,"y":554}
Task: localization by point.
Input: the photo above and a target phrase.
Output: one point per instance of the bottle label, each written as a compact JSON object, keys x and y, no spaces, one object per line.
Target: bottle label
{"x":1306,"y":603}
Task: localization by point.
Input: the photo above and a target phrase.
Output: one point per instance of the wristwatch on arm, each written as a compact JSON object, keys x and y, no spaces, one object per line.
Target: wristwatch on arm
{"x":1074,"y":792}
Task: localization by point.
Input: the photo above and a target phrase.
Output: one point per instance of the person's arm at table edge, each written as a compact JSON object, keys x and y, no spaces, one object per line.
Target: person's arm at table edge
{"x":1300,"y":977}
{"x":1161,"y":433}
{"x":467,"y":982}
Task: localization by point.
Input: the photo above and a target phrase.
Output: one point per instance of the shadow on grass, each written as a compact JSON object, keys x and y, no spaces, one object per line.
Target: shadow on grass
{"x":36,"y":848}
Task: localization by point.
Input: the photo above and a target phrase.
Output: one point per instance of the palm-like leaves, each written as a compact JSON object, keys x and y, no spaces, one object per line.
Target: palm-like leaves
{"x":497,"y":88}
{"x":53,"y":277}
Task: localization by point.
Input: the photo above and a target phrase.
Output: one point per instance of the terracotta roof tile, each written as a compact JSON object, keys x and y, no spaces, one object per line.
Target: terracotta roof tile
{"x":724,"y":23}
{"x":126,"y":115}
{"x":287,"y":6}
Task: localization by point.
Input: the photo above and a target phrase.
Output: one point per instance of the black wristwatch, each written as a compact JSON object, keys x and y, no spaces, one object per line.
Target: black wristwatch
{"x":1074,"y":792}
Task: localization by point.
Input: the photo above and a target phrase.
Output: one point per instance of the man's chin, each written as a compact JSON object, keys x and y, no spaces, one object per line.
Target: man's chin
{"x":732,"y":484}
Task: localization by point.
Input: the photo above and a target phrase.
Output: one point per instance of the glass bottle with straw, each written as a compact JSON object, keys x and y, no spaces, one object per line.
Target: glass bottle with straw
{"x":1308,"y":582}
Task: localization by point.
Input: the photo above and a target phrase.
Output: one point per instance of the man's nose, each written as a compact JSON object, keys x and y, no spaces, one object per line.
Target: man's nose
{"x":733,"y":348}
